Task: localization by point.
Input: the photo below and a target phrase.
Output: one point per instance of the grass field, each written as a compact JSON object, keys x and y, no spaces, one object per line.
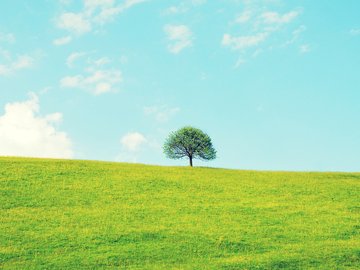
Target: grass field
{"x":58,"y":214}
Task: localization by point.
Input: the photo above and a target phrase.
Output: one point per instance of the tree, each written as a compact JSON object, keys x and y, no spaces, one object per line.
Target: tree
{"x":189,"y":142}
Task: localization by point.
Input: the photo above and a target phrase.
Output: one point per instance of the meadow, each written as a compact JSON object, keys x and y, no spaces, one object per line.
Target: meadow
{"x":60,"y":214}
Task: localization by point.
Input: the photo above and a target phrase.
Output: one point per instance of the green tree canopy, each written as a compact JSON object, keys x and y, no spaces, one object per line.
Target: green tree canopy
{"x":189,"y":142}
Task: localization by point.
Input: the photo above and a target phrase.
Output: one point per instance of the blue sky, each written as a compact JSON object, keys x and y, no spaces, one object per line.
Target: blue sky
{"x":275,"y":83}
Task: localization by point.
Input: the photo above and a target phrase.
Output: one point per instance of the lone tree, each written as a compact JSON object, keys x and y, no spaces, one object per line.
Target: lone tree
{"x":189,"y":142}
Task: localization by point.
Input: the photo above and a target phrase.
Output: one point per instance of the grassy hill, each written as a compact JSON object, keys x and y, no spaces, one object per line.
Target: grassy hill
{"x":58,"y":214}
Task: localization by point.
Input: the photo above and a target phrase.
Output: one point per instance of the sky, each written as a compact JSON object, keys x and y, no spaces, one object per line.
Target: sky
{"x":274,"y":83}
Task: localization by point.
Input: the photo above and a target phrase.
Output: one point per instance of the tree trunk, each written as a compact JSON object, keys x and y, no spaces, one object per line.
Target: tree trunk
{"x":190,"y":158}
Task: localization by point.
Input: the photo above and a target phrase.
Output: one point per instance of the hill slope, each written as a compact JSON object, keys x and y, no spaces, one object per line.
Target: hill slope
{"x":58,"y":214}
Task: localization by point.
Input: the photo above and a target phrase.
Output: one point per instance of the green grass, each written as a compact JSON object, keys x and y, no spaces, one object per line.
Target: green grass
{"x":57,"y":214}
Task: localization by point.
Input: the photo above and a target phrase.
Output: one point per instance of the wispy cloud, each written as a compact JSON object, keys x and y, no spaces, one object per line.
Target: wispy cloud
{"x":198,"y":2}
{"x":109,"y":11}
{"x":161,"y":113}
{"x":102,"y":61}
{"x":62,"y":41}
{"x":7,"y":37}
{"x":256,"y":26}
{"x":272,"y":17}
{"x":179,"y":37}
{"x":243,"y":42}
{"x":183,"y":7}
{"x":304,"y":48}
{"x":77,"y":23}
{"x":96,"y":81}
{"x":244,"y":17}
{"x":73,"y":57}
{"x":94,"y":12}
{"x":295,"y":35}
{"x":14,"y":64}
{"x":11,"y":62}
{"x":239,"y":62}
{"x":175,"y":10}
{"x":355,"y":31}
{"x":97,"y":78}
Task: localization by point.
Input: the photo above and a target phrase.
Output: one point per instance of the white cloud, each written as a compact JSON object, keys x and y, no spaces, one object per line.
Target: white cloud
{"x":20,"y":62}
{"x":74,"y":22}
{"x":203,"y":76}
{"x":198,"y":2}
{"x":4,"y":70}
{"x":62,"y":41}
{"x":239,"y":62}
{"x":102,"y":61}
{"x":98,"y":3}
{"x":295,"y":35}
{"x":5,"y":54}
{"x":305,"y":48}
{"x":71,"y":81}
{"x":175,"y":10}
{"x":123,"y":59}
{"x":243,"y":17}
{"x":133,"y":141}
{"x":179,"y":36}
{"x":161,"y":113}
{"x":183,"y":7}
{"x":133,"y":144}
{"x":96,"y":78}
{"x":94,"y":12}
{"x":257,"y":53}
{"x":260,"y":29}
{"x":7,"y":37}
{"x":243,"y":42}
{"x":129,"y":3}
{"x":355,"y":32}
{"x":23,"y":132}
{"x":73,"y":57}
{"x":97,"y":81}
{"x":299,"y":30}
{"x":65,"y":2}
{"x":271,"y":17}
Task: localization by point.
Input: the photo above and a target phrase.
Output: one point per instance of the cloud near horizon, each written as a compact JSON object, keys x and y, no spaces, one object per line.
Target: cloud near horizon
{"x":24,"y":132}
{"x":132,"y":145}
{"x":133,"y":141}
